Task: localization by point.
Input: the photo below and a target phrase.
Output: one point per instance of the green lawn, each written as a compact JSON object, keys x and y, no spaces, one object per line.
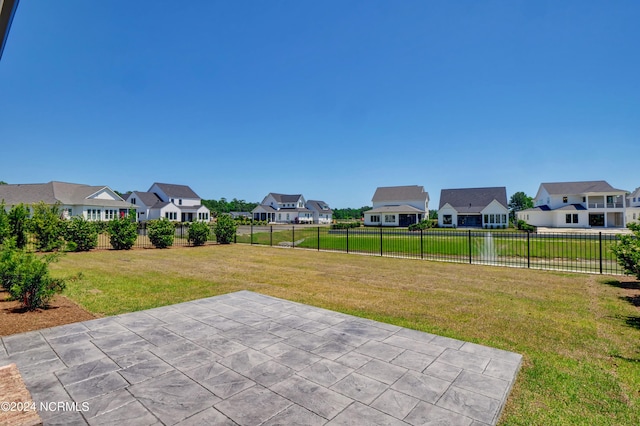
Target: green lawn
{"x":579,"y":334}
{"x":563,"y":252}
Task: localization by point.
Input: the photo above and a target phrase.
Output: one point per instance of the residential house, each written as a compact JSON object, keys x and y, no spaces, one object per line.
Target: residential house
{"x":292,"y":208}
{"x":588,"y":204}
{"x":632,"y":213}
{"x":474,"y":207}
{"x":94,"y":203}
{"x":398,"y":206}
{"x":178,"y":203}
{"x":322,"y":213}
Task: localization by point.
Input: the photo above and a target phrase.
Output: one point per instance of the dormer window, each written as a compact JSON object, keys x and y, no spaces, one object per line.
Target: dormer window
{"x":180,"y":202}
{"x":565,"y":199}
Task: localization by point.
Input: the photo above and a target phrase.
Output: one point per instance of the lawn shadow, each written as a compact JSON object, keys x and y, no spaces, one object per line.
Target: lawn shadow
{"x":631,"y":285}
{"x":633,"y":321}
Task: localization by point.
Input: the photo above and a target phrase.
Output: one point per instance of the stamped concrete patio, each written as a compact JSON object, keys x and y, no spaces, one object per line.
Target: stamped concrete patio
{"x":248,"y":359}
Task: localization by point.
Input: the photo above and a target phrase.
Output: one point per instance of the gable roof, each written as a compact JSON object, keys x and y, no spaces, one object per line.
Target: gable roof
{"x":473,"y":199}
{"x":175,"y":191}
{"x":320,"y":206}
{"x":285,"y":198}
{"x":567,"y":188}
{"x":148,"y":198}
{"x":53,"y":192}
{"x":396,"y":193}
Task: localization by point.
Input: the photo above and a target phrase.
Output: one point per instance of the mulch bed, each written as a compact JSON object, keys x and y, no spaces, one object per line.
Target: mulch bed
{"x":14,"y":319}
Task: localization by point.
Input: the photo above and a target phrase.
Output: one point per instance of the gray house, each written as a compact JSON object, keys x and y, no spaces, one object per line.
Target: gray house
{"x":398,"y":206}
{"x":178,"y":203}
{"x":91,"y":202}
{"x":474,"y":207}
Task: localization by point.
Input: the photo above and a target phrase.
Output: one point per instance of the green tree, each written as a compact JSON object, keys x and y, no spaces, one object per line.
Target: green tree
{"x":198,"y":233}
{"x":5,"y":230}
{"x":46,"y":226}
{"x":225,"y":229}
{"x":627,"y":250}
{"x":81,"y":234}
{"x":123,"y":232}
{"x":519,"y":201}
{"x":161,"y":232}
{"x":18,"y":223}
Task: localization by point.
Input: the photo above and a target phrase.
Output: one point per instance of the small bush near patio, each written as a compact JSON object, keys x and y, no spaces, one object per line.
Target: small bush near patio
{"x":27,"y":278}
{"x":81,"y":234}
{"x":161,"y":232}
{"x":627,"y":251}
{"x":18,"y":219}
{"x":123,"y":233}
{"x":225,"y":229}
{"x":4,"y":223}
{"x":198,"y":233}
{"x":47,"y":227}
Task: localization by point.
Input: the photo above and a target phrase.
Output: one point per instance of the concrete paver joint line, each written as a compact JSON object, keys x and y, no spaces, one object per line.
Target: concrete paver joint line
{"x":244,"y":358}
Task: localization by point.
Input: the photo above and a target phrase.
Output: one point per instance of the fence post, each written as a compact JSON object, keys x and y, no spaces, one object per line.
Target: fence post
{"x":600,"y":248}
{"x":293,"y":236}
{"x":347,"y":240}
{"x":271,"y":235}
{"x":528,"y":250}
{"x":318,"y":238}
{"x":251,"y":233}
{"x":421,"y":244}
{"x":380,"y":239}
{"x":470,"y":257}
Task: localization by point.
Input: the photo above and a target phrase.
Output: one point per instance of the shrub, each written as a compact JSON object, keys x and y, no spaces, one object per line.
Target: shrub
{"x":627,"y":250}
{"x":8,"y":263}
{"x":27,"y":277}
{"x":345,"y":225}
{"x":423,"y":224}
{"x":46,"y":226}
{"x":18,"y":219}
{"x":161,"y":232}
{"x":123,"y":232}
{"x":198,"y":233}
{"x":524,"y":226}
{"x":225,"y":229}
{"x":81,"y":234}
{"x":4,"y":223}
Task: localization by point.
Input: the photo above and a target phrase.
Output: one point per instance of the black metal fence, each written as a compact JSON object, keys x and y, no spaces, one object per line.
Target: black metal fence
{"x":573,"y":252}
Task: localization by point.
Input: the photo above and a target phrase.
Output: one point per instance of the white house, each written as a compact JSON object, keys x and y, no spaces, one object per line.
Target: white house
{"x":588,"y":204}
{"x":632,"y":213}
{"x":322,"y":213}
{"x":94,"y":203}
{"x":178,"y":203}
{"x":398,"y":206}
{"x":474,"y":207}
{"x":292,"y":208}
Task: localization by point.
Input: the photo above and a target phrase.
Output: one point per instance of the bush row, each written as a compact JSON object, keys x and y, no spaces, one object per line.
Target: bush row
{"x":49,"y":232}
{"x":345,"y":225}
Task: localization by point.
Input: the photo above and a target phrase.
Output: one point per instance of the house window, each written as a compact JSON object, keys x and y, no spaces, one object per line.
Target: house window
{"x":133,"y":201}
{"x":571,"y":218}
{"x":565,"y":199}
{"x":180,"y":202}
{"x":287,"y":216}
{"x":486,"y":218}
{"x":584,"y":199}
{"x":504,"y":218}
{"x":389,"y":218}
{"x":634,"y":216}
{"x":279,"y":216}
{"x":492,"y":218}
{"x":447,"y":219}
{"x":375,"y":218}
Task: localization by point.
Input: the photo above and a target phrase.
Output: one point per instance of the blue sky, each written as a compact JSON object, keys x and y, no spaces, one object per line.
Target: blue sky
{"x":329,"y":99}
